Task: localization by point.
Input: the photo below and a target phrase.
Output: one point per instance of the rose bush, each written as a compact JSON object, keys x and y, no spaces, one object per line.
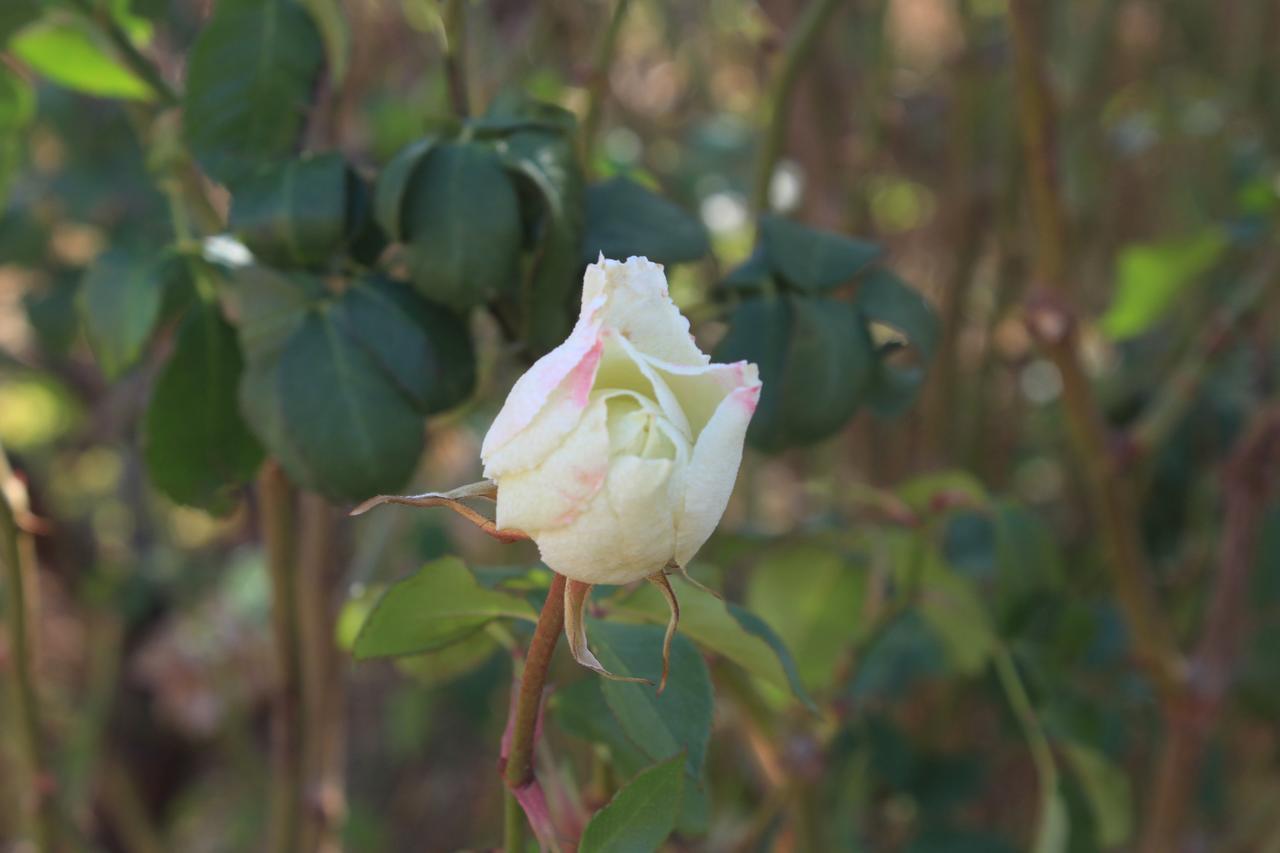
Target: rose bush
{"x":617,"y":451}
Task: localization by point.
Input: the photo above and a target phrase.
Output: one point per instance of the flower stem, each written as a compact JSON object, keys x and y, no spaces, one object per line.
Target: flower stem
{"x":513,"y":825}
{"x":519,"y":768}
{"x":799,"y":48}
{"x":15,"y":553}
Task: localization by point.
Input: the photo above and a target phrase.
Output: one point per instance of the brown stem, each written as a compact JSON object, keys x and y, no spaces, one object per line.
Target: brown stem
{"x":599,"y":83}
{"x":519,"y":767}
{"x":1191,"y":716}
{"x":19,"y":576}
{"x":777,"y":104}
{"x":1051,"y":318}
{"x":276,"y":497}
{"x":323,"y":691}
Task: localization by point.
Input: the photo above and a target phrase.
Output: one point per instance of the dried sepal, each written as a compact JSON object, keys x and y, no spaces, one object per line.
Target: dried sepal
{"x":575,"y":631}
{"x":659,"y":579}
{"x":485,"y":489}
{"x":673,"y":566}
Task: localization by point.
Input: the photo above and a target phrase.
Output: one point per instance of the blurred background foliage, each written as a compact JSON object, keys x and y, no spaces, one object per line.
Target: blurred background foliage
{"x":989,"y":584}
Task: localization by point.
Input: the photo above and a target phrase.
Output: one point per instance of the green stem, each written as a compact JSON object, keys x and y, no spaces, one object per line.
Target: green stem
{"x":777,"y":104}
{"x":16,"y":555}
{"x":519,"y":769}
{"x":513,"y":825}
{"x":1032,"y":731}
{"x":599,"y":84}
{"x":129,"y":52}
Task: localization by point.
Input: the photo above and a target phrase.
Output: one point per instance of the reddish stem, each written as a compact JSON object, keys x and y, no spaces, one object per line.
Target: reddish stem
{"x":518,"y":771}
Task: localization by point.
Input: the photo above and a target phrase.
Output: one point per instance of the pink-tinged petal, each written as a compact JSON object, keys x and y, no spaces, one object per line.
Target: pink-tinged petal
{"x":640,"y":308}
{"x":700,"y":390}
{"x":625,"y":534}
{"x":553,"y":393}
{"x":713,"y":469}
{"x":562,"y":484}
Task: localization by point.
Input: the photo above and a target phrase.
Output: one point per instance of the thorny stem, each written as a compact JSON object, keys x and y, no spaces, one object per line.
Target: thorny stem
{"x":1050,"y":318}
{"x":598,"y":86}
{"x":276,"y":497}
{"x":519,"y":768}
{"x":18,"y":573}
{"x":777,"y":105}
{"x":1249,"y":483}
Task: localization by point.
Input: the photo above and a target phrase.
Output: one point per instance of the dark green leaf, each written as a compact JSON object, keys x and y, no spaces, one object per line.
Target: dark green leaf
{"x":756,"y":626}
{"x":811,"y":259}
{"x":547,"y":160}
{"x":641,"y":815}
{"x":119,"y":302}
{"x":293,"y":214}
{"x":753,"y":274}
{"x":625,"y":219}
{"x":885,"y":299}
{"x":67,"y":53}
{"x":365,"y":238}
{"x":462,"y":225}
{"x":393,"y":184}
{"x":352,"y":427}
{"x":196,"y":446}
{"x":249,"y":83}
{"x":661,"y":725}
{"x":425,"y":348}
{"x":439,"y":604}
{"x":807,"y":349}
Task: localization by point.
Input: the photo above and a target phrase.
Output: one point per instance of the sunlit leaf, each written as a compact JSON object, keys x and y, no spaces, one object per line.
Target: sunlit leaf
{"x":435,"y":606}
{"x":1149,"y":278}
{"x":67,"y":54}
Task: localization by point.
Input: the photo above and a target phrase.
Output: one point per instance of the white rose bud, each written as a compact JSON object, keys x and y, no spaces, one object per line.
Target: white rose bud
{"x":617,"y":451}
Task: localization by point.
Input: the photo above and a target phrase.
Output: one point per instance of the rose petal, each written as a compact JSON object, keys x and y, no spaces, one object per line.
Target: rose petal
{"x":640,"y":308}
{"x":713,"y":469}
{"x":625,"y":534}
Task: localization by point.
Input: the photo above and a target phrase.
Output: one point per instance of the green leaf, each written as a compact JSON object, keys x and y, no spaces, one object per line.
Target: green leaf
{"x":953,"y":608}
{"x":641,"y":815}
{"x":462,"y":226}
{"x":196,"y":446}
{"x":815,"y":618}
{"x":426,"y":349}
{"x":813,"y":260}
{"x":885,"y":299}
{"x":546,"y":159}
{"x":807,"y":349}
{"x":661,"y":725}
{"x":293,"y":214}
{"x":249,"y":83}
{"x":435,"y":606}
{"x":722,"y":628}
{"x":66,"y":53}
{"x":119,"y":303}
{"x":393,"y":184}
{"x":1150,"y":277}
{"x":1106,"y":787}
{"x":349,"y":423}
{"x":625,"y":219}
